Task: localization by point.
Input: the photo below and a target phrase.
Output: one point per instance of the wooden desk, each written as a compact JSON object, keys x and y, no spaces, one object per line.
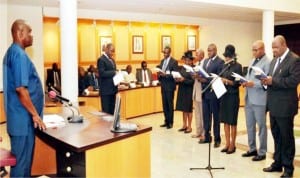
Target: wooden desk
{"x":90,"y":149}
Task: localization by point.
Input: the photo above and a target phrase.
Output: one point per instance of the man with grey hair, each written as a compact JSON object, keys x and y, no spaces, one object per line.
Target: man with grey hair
{"x":197,"y":97}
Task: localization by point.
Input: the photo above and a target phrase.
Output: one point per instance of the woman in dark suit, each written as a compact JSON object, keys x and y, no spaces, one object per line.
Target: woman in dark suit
{"x":184,"y":96}
{"x":230,"y":101}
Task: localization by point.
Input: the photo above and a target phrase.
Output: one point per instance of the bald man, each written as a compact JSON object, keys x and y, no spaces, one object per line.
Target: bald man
{"x":23,"y":99}
{"x":255,"y":104}
{"x":282,"y":104}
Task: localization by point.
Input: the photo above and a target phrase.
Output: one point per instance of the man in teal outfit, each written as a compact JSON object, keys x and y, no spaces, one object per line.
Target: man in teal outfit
{"x":23,"y":98}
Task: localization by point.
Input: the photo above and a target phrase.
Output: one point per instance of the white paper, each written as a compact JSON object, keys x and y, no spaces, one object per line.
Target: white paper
{"x":259,"y":73}
{"x":188,"y":68}
{"x":53,"y":120}
{"x":156,"y":69}
{"x":118,"y":78}
{"x":218,"y":87}
{"x":238,"y":77}
{"x":176,"y":74}
{"x":201,"y":71}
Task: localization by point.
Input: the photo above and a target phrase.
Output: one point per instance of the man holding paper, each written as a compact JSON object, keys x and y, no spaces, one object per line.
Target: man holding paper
{"x":211,"y":105}
{"x":168,"y":86}
{"x":255,"y":103}
{"x":107,"y":70}
{"x":282,"y":104}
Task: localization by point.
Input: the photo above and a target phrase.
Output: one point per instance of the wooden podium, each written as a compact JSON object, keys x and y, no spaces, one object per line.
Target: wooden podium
{"x":90,"y":149}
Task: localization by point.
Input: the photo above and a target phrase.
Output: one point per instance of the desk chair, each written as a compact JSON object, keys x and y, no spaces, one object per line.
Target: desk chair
{"x":6,"y":159}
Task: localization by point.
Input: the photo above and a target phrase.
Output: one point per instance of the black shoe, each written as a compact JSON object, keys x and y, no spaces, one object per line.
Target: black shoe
{"x":163,"y":125}
{"x":286,"y":174}
{"x":259,"y":157}
{"x":182,"y":129}
{"x":202,"y":141}
{"x":217,"y":145}
{"x":169,"y":126}
{"x":272,"y":169}
{"x":248,"y":154}
{"x":224,"y":150}
{"x":230,"y":151}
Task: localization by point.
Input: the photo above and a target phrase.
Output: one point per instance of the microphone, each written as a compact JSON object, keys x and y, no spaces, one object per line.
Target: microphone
{"x":54,"y":95}
{"x":228,"y":62}
{"x":73,"y":118}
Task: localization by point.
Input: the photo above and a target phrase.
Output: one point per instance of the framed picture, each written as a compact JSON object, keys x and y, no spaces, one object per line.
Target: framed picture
{"x":104,"y":40}
{"x":191,"y":42}
{"x":165,"y":41}
{"x":137,"y":44}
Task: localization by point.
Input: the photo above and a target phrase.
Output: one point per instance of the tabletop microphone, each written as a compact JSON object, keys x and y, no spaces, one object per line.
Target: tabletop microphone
{"x":54,"y":95}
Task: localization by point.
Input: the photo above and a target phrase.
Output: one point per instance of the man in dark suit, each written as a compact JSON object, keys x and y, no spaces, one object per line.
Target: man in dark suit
{"x":144,"y":75}
{"x":282,"y":103}
{"x":53,"y":78}
{"x":210,"y":103}
{"x":168,"y":86}
{"x":107,"y":70}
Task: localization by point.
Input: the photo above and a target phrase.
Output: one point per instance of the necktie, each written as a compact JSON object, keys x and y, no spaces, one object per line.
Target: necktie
{"x":165,"y":65}
{"x":276,"y":65}
{"x":56,"y":79}
{"x":207,"y":65}
{"x":145,"y":77}
{"x":254,"y":63}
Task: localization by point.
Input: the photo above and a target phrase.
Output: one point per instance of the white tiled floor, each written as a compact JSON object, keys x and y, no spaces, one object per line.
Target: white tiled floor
{"x":173,"y":153}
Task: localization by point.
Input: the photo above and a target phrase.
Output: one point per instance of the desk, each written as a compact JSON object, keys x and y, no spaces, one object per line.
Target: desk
{"x":92,"y":150}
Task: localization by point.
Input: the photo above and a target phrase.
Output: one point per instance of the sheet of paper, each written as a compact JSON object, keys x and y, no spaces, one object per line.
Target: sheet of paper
{"x":259,"y":73}
{"x":188,"y":68}
{"x":118,"y":78}
{"x":238,"y":77}
{"x":53,"y":120}
{"x":201,"y":72}
{"x":218,"y":87}
{"x":176,"y":74}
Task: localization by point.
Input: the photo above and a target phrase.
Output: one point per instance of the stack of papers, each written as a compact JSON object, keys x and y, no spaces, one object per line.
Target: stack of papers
{"x":238,"y":77}
{"x":53,"y":120}
{"x":176,"y":74}
{"x":198,"y":70}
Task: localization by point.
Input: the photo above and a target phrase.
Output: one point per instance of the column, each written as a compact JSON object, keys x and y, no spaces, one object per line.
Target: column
{"x":268,"y":31}
{"x":68,"y":48}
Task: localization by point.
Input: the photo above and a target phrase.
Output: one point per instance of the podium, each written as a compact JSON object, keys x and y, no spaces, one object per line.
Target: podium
{"x":90,"y":149}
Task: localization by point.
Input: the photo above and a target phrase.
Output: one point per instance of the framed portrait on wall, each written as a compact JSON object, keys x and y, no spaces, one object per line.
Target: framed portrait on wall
{"x":191,"y":42}
{"x":104,"y":40}
{"x":137,"y":44}
{"x":165,"y":41}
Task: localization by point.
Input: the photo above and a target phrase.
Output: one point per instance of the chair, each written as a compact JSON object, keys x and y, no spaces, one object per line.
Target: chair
{"x":6,"y":159}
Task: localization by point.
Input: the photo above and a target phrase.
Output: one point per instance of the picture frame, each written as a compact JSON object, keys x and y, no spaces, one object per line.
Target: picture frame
{"x":104,"y":40}
{"x":137,"y":44}
{"x":165,"y":41}
{"x":191,"y":42}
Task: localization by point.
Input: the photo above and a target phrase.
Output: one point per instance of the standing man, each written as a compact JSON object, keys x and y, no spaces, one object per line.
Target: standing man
{"x":53,"y":78}
{"x":211,"y":105}
{"x":23,"y":99}
{"x":107,"y":70}
{"x":168,"y":86}
{"x":282,"y":103}
{"x":197,"y":97}
{"x":255,"y":100}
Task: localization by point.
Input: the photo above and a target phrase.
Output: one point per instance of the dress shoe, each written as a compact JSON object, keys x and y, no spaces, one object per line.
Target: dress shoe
{"x":259,"y":157}
{"x":163,"y":125}
{"x":224,"y":150}
{"x":188,"y":131}
{"x":286,"y":174}
{"x":202,"y":141}
{"x":217,"y":145}
{"x":182,"y":129}
{"x":272,"y":169}
{"x":248,"y":153}
{"x":169,"y":126}
{"x":230,"y":151}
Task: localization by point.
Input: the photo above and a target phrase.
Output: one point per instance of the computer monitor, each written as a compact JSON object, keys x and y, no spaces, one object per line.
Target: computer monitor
{"x":117,"y":126}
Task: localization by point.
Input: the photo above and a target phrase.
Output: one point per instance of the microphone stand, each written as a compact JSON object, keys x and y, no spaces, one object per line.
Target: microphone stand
{"x":74,"y":118}
{"x":209,"y":167}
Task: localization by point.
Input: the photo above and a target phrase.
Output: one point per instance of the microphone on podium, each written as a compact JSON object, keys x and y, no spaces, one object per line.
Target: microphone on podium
{"x":73,"y":118}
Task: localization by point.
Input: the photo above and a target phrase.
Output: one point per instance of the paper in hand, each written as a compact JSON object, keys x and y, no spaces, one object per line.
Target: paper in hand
{"x":238,"y":77}
{"x":201,"y":72}
{"x":218,"y":87}
{"x":259,"y":73}
{"x":176,"y":74}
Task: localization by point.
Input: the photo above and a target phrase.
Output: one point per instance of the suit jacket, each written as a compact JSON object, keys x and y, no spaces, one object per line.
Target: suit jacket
{"x":215,"y":66}
{"x":257,"y":95}
{"x":50,"y":78}
{"x":282,"y":99}
{"x":139,"y":74}
{"x":107,"y":71}
{"x":167,"y":82}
